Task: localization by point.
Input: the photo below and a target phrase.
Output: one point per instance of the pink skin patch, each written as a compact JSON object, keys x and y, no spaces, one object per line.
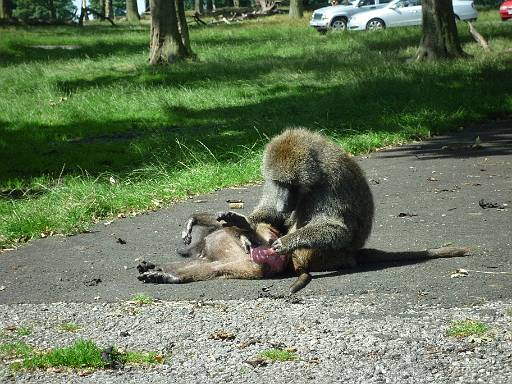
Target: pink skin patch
{"x":265,"y":255}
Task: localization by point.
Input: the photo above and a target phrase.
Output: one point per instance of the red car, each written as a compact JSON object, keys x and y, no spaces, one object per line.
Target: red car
{"x":506,"y":10}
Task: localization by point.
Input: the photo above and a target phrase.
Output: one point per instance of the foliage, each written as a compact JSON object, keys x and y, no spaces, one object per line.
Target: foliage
{"x":80,"y":354}
{"x":143,"y":299}
{"x":41,"y":10}
{"x":90,"y":133}
{"x":466,"y":328}
{"x":69,"y":327}
{"x":276,"y":354}
{"x":119,"y":7}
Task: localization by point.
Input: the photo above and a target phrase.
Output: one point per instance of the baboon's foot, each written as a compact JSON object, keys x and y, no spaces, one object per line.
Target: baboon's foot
{"x":234,"y":219}
{"x":158,"y":277}
{"x":145,"y":266}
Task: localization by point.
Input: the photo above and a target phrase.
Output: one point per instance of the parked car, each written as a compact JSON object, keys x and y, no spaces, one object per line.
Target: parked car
{"x":405,"y":12}
{"x":506,"y":10}
{"x":336,"y":16}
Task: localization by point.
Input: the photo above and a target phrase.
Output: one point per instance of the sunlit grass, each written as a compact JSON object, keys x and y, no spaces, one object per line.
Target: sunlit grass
{"x":72,"y":121}
{"x":81,"y":354}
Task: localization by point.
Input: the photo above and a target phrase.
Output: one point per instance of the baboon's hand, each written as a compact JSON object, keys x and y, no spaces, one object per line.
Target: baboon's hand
{"x":281,"y":246}
{"x":158,"y":277}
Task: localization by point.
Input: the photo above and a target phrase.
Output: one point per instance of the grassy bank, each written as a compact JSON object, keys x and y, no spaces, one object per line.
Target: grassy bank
{"x":92,"y":132}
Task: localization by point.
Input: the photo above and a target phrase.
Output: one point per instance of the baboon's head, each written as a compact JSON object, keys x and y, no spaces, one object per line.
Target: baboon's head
{"x":291,"y":159}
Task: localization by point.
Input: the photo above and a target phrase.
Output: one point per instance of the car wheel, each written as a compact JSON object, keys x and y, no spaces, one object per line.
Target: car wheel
{"x":339,"y":24}
{"x":375,"y":24}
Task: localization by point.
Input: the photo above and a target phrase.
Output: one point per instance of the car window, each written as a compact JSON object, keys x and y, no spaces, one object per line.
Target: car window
{"x":408,"y":3}
{"x":384,"y":1}
{"x":363,"y":3}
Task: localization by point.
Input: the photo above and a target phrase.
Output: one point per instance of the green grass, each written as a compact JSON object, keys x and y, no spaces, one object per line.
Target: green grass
{"x":81,"y":354}
{"x":143,"y":299}
{"x":90,"y":133}
{"x":69,"y":327}
{"x":275,"y":354}
{"x":465,"y":328}
{"x":24,"y":331}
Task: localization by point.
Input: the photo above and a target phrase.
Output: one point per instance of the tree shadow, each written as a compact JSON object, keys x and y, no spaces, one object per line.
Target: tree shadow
{"x":100,"y":42}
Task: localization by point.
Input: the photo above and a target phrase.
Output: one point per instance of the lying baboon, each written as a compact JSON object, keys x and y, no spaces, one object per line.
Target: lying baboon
{"x":242,"y":252}
{"x":234,"y":250}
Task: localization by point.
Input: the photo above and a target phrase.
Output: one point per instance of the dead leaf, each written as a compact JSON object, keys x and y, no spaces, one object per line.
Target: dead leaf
{"x":222,"y":335}
{"x":236,"y":205}
{"x":406,"y":214}
{"x":2,"y":287}
{"x":432,"y":179}
{"x":459,"y":273}
{"x":256,"y":361}
{"x":121,"y":241}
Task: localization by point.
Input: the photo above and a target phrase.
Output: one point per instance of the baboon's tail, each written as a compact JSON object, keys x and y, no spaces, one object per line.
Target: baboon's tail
{"x":369,"y":255}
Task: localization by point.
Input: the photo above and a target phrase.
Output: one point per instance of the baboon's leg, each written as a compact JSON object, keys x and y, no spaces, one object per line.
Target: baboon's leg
{"x":206,"y":220}
{"x":203,"y":270}
{"x":305,"y":261}
{"x":234,"y":219}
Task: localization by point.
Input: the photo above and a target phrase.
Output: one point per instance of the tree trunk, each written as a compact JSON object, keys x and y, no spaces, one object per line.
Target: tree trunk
{"x":166,"y":42}
{"x":209,"y":5}
{"x":198,"y":6}
{"x":146,"y":6}
{"x":83,"y":13}
{"x":53,"y":11}
{"x":5,"y":9}
{"x":296,"y":9}
{"x":101,"y":6}
{"x":132,"y":12}
{"x":183,"y":26}
{"x":440,"y":39}
{"x":109,"y":9}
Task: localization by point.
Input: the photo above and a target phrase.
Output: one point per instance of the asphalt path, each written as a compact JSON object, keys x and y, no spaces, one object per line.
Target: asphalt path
{"x":427,"y":194}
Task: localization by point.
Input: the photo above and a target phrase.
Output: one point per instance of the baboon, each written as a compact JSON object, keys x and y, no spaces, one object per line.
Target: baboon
{"x":315,"y":214}
{"x":221,"y":245}
{"x":241,"y":252}
{"x":318,"y":195}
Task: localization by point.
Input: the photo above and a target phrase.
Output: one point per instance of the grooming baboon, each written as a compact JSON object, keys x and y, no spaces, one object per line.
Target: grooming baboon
{"x":217,"y":250}
{"x":242,"y":252}
{"x":318,"y":195}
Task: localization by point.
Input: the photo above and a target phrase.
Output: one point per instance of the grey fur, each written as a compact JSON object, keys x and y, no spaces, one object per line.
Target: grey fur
{"x":328,"y":203}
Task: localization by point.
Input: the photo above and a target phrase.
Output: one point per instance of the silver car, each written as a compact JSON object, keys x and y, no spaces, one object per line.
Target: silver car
{"x":405,"y":12}
{"x":336,"y":16}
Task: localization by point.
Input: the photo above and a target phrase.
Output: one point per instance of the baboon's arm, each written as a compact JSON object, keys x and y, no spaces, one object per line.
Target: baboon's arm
{"x":322,"y":235}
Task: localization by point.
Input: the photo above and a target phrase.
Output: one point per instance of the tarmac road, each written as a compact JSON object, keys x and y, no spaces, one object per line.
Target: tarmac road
{"x":435,"y":185}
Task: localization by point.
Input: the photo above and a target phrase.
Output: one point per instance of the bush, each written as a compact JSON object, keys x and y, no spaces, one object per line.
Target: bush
{"x":44,"y":10}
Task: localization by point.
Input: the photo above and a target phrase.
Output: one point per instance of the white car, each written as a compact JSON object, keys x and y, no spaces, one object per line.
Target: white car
{"x":405,"y":12}
{"x":336,"y":16}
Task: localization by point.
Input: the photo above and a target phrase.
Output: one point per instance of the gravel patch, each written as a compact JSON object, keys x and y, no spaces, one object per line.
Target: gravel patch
{"x":353,"y":338}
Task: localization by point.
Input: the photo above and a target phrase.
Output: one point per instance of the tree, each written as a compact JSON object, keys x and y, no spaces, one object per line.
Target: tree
{"x":169,"y":39}
{"x":198,"y":6}
{"x":109,"y":9}
{"x":209,"y":5}
{"x":44,"y":10}
{"x":132,"y":12}
{"x":440,"y":38}
{"x":296,"y":9}
{"x":5,"y":9}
